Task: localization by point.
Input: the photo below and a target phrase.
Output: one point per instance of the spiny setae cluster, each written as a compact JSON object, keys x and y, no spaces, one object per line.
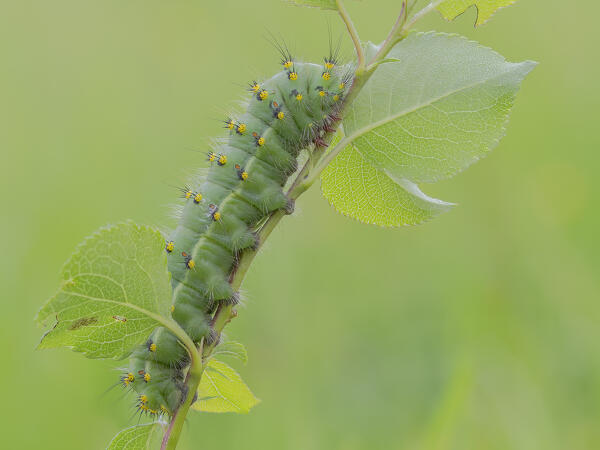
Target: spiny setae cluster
{"x":419,"y":107}
{"x":285,"y":114}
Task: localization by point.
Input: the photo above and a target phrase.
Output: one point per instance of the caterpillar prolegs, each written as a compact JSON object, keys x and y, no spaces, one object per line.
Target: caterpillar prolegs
{"x":285,"y":114}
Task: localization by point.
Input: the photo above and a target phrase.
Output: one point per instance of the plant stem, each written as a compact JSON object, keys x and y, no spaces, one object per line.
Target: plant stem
{"x":393,"y":36}
{"x":224,"y":312}
{"x":309,"y":173}
{"x":192,"y":381}
{"x":360,"y":56}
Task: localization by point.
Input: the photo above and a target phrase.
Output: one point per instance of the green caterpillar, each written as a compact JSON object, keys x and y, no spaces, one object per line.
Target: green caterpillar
{"x":286,"y":113}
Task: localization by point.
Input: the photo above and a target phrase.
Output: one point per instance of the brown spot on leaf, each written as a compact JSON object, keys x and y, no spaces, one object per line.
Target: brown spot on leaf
{"x":83,"y":322}
{"x":120,"y":318}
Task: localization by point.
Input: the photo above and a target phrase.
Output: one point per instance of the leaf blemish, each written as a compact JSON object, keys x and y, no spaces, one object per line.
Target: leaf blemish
{"x":120,"y":318}
{"x":83,"y":322}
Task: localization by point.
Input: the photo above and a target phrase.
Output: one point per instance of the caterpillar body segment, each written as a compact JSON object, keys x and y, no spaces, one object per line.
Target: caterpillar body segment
{"x":248,"y":170}
{"x":162,"y":347}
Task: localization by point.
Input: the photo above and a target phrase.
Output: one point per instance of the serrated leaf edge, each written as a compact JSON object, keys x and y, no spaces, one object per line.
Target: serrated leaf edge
{"x":353,"y":136}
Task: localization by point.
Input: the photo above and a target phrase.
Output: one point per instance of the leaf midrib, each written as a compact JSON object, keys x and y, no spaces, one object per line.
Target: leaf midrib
{"x":373,"y":125}
{"x":167,"y":323}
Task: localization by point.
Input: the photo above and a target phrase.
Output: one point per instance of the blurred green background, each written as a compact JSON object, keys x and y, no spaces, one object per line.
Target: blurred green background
{"x":480,"y":330}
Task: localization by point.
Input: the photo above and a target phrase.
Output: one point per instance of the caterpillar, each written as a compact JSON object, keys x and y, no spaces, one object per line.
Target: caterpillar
{"x":285,"y":114}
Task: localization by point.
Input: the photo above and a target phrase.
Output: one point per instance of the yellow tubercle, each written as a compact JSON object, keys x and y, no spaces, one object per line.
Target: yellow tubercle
{"x":299,"y":96}
{"x":342,"y":85}
{"x":198,"y":198}
{"x":280,"y":115}
{"x":336,"y":98}
{"x":222,"y":160}
{"x":147,"y":377}
{"x":293,"y":76}
{"x":260,"y":141}
{"x":322,"y":93}
{"x":191,"y":264}
{"x":263,"y":94}
{"x":217,"y":216}
{"x":143,"y":399}
{"x":329,"y":65}
{"x":244,"y":176}
{"x":170,"y":246}
{"x":152,"y":347}
{"x":241,"y":128}
{"x":172,"y":308}
{"x":129,"y":378}
{"x":287,"y":64}
{"x":326,"y":76}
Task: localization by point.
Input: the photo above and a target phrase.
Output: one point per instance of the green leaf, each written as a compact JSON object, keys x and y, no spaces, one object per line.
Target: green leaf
{"x":115,"y":291}
{"x":138,"y":437}
{"x":423,"y":119}
{"x":451,"y":9}
{"x":357,"y":189}
{"x":323,"y":4}
{"x":232,"y":349}
{"x":223,"y":390}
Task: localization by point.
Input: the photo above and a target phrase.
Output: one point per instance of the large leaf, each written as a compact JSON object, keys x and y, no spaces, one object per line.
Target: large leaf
{"x":450,"y":9}
{"x":223,"y":390}
{"x":138,"y":437}
{"x":323,"y":4}
{"x":441,"y":107}
{"x":115,"y":291}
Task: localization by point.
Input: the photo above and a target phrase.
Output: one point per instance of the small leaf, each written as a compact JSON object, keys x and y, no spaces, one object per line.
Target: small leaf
{"x":323,"y":4}
{"x":115,"y":291}
{"x":138,"y":437}
{"x":233,"y":349}
{"x":223,"y":390}
{"x":451,"y":9}
{"x":441,"y":108}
